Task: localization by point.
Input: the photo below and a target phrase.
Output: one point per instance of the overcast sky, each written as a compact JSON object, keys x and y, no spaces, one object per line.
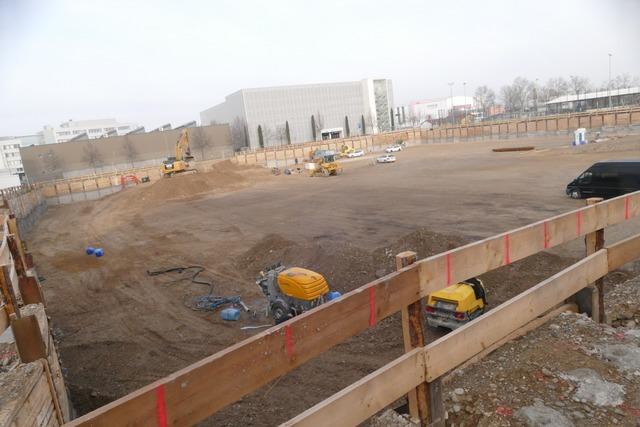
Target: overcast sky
{"x":165,"y":61}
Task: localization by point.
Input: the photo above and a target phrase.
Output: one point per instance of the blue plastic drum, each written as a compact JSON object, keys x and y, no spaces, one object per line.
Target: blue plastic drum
{"x":90,"y":250}
{"x":333,"y":295}
{"x":99,"y":252}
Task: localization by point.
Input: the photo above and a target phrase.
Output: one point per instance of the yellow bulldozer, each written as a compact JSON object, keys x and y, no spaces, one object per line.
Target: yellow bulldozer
{"x":179,"y":163}
{"x":323,"y":163}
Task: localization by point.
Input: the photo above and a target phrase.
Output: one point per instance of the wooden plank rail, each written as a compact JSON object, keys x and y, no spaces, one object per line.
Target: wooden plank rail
{"x":377,"y":390}
{"x":199,"y":390}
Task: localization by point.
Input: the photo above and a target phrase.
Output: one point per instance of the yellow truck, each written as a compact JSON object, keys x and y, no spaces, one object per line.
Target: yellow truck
{"x":456,"y":305}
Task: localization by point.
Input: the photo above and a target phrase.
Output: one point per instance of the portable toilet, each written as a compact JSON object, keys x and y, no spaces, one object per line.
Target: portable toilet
{"x":580,"y":136}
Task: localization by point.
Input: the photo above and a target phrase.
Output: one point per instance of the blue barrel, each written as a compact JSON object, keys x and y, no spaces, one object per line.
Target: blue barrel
{"x":90,"y":250}
{"x":99,"y":252}
{"x":333,"y":295}
{"x":232,"y":314}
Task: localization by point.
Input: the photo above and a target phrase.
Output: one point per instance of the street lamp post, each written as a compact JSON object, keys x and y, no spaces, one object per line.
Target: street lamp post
{"x":609,"y":85}
{"x":464,"y":96}
{"x":451,"y":100}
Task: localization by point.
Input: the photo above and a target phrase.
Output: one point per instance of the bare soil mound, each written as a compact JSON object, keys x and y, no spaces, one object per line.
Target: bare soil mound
{"x":223,"y":176}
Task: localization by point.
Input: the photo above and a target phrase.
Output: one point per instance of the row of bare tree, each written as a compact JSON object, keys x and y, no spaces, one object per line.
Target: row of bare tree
{"x":523,"y":94}
{"x":199,"y":141}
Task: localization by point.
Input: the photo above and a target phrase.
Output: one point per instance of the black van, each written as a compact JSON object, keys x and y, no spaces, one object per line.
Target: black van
{"x":607,"y":179}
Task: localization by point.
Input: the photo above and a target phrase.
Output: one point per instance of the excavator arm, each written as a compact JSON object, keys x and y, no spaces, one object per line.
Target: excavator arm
{"x":183,"y":151}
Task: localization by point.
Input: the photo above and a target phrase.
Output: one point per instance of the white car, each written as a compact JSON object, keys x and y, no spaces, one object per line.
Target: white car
{"x":387,"y":158}
{"x":393,"y":149}
{"x":357,"y":153}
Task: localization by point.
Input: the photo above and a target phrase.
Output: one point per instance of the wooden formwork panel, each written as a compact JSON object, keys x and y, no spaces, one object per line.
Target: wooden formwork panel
{"x":609,"y":119}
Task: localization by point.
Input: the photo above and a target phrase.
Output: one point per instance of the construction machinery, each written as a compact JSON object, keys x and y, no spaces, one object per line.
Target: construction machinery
{"x":323,"y":163}
{"x":292,"y":291}
{"x":346,"y":150}
{"x":456,"y":305}
{"x":179,"y":163}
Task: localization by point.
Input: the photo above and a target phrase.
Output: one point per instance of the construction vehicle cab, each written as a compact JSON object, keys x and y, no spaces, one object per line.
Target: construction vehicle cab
{"x":323,"y":163}
{"x":346,"y":150}
{"x":291,"y":291}
{"x":180,"y":162}
{"x":456,"y":305}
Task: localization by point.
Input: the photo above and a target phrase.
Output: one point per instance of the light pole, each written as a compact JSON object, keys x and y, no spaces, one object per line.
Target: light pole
{"x":535,"y":97}
{"x":451,"y":99}
{"x":464,"y":96}
{"x":609,"y":85}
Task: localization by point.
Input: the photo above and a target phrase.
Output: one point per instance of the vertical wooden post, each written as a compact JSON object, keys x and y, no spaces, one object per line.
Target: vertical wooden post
{"x":425,"y":401}
{"x":8,"y":294}
{"x":593,"y":243}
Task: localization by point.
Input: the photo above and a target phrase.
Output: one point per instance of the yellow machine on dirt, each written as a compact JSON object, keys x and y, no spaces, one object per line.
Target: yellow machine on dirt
{"x":323,"y":163}
{"x":456,"y":305}
{"x":292,"y":291}
{"x":346,"y":150}
{"x":179,"y":163}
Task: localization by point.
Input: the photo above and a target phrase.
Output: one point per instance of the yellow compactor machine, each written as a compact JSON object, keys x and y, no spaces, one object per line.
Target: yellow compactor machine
{"x":456,"y":305}
{"x":292,"y":291}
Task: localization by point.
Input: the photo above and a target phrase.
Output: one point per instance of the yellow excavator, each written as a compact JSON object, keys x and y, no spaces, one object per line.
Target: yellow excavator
{"x":179,"y":163}
{"x":323,"y":163}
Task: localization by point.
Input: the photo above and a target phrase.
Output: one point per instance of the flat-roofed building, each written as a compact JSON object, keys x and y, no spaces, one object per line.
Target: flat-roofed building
{"x":273,"y":116}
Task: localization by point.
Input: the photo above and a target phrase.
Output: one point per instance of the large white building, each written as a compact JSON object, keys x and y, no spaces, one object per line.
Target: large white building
{"x":260,"y":117}
{"x":11,"y":169}
{"x":86,"y":129}
{"x":440,"y":109}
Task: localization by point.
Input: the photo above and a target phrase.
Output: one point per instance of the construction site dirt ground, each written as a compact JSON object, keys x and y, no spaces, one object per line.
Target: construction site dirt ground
{"x":118,"y":328}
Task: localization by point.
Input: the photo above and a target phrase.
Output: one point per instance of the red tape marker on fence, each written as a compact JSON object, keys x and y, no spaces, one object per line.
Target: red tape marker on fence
{"x":507,"y":250}
{"x":161,"y":407}
{"x":288,"y":341}
{"x":579,"y":222}
{"x":448,"y":258}
{"x":546,"y":235}
{"x":626,"y":208}
{"x":372,"y":306}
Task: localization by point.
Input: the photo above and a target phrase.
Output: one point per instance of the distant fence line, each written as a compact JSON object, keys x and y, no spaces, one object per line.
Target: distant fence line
{"x":564,"y":123}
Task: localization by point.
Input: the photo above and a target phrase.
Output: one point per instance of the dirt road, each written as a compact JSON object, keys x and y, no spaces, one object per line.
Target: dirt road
{"x":119,"y":329}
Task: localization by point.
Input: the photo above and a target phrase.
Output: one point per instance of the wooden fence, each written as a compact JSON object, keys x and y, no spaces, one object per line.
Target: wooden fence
{"x":203,"y":388}
{"x":33,"y":388}
{"x":286,"y":155}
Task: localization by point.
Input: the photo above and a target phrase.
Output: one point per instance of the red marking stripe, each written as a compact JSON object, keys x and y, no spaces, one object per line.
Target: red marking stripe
{"x":372,"y":306}
{"x":546,"y":235}
{"x":626,"y":208}
{"x":448,"y":258}
{"x":288,"y":341}
{"x":161,"y":407}
{"x":507,"y":250}
{"x":579,"y":222}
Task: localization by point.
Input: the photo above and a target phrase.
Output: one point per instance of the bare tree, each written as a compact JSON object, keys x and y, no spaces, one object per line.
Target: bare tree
{"x":281,"y":133}
{"x":485,"y":98}
{"x":129,"y":150}
{"x":516,"y":97}
{"x":239,"y":137}
{"x":579,"y":84}
{"x":554,"y":88}
{"x":199,"y":140}
{"x":625,"y":80}
{"x":372,"y":121}
{"x":269,"y":135}
{"x":50,"y":162}
{"x":319,"y":121}
{"x":92,"y":155}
